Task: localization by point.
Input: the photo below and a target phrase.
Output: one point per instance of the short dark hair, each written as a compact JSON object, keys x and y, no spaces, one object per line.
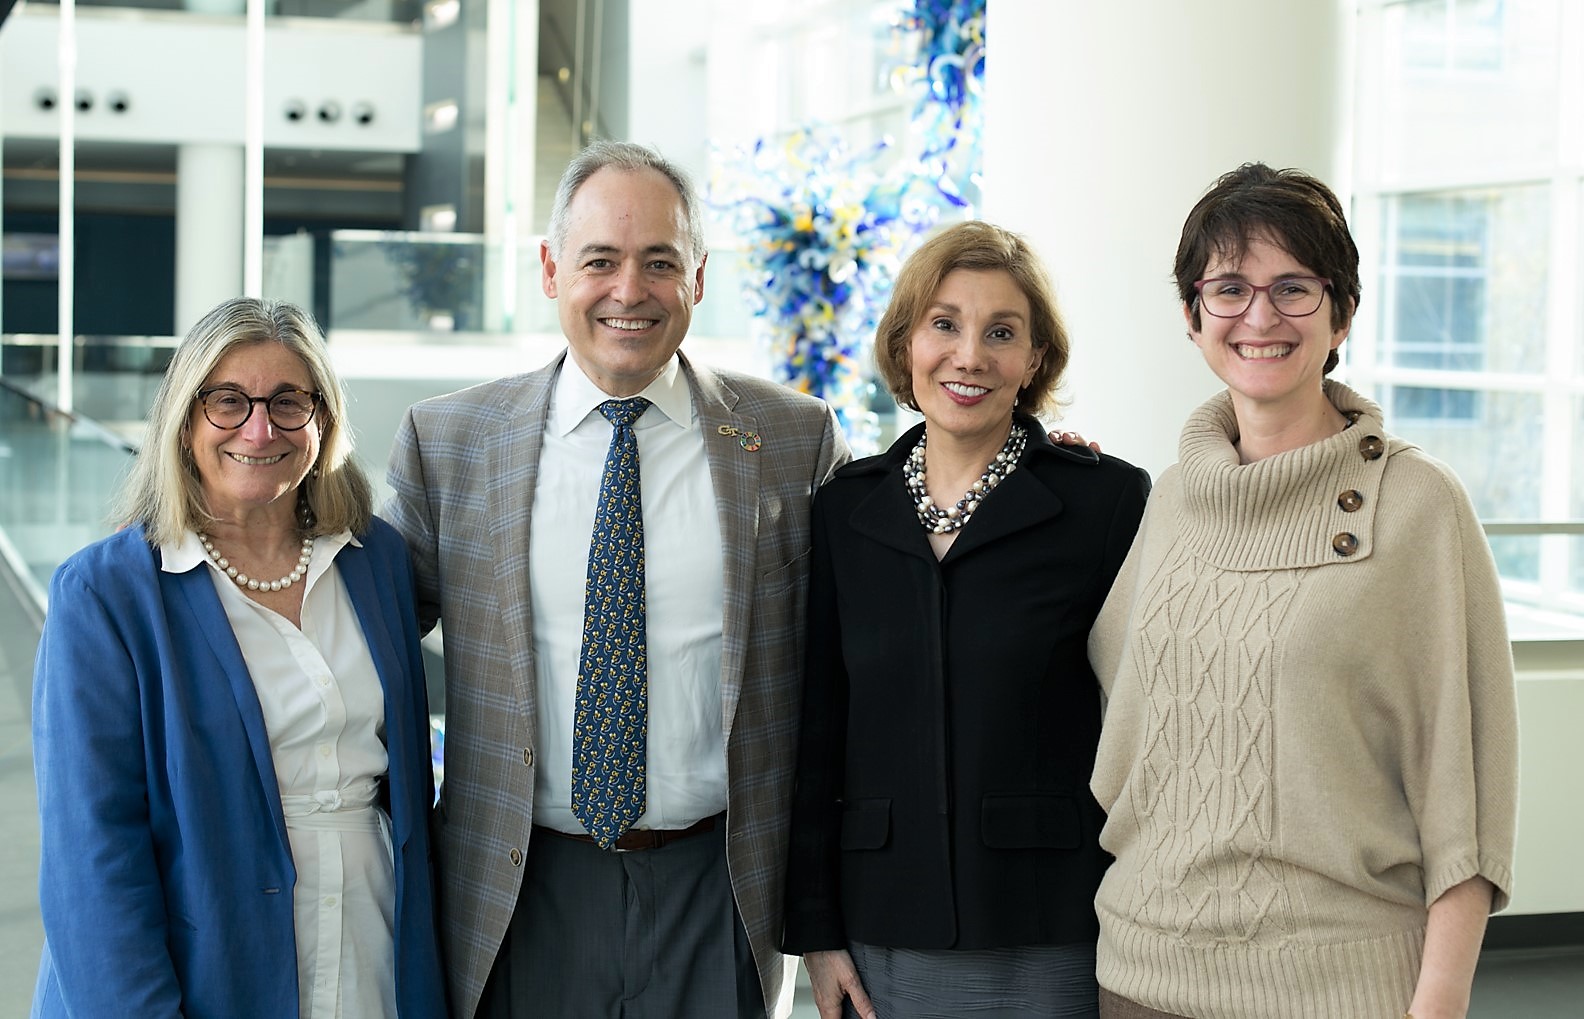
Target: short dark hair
{"x":979,"y":246}
{"x":1295,"y":210}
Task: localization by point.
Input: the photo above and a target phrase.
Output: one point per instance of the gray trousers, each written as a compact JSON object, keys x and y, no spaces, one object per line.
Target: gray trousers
{"x":652,"y":934}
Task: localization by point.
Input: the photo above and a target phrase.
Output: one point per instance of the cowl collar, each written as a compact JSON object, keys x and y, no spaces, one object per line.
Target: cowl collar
{"x":1311,"y":506}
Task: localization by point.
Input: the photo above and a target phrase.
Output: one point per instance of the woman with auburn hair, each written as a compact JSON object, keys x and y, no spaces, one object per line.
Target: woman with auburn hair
{"x":945,"y":846}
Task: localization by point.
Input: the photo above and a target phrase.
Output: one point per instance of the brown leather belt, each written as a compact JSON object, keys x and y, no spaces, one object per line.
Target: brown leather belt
{"x":635,"y":839}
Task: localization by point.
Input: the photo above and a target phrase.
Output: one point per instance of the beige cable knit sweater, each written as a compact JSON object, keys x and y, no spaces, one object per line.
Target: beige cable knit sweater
{"x":1311,"y":726}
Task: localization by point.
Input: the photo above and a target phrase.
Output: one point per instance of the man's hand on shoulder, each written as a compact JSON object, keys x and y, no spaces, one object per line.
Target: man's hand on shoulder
{"x":1072,"y":439}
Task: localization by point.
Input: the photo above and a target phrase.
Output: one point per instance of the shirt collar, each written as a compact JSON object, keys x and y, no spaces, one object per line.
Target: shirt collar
{"x":576,"y":396}
{"x":188,"y":553}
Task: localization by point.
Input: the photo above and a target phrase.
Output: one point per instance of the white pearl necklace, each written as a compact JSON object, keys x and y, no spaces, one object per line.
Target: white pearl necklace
{"x":938,"y":520}
{"x":251,"y":584}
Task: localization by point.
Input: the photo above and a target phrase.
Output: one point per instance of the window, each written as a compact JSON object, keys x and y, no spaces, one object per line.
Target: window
{"x":1453,"y":36}
{"x":1469,"y":206}
{"x":1464,"y":280}
{"x":1436,"y":281}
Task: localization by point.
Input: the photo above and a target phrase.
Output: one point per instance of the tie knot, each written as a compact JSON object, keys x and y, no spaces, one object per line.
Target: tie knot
{"x":623,"y":412}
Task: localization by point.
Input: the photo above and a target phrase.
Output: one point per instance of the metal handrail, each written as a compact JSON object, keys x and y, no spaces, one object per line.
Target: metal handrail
{"x":77,"y":418}
{"x":1511,"y":527}
{"x":91,"y":340}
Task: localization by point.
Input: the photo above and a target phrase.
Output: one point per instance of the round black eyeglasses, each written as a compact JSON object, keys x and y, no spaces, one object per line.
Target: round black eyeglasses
{"x":288,"y":410}
{"x":1293,"y":296}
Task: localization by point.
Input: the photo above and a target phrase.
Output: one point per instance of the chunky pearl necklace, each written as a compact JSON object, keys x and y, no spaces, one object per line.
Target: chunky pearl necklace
{"x":248,"y":583}
{"x":953,"y":518}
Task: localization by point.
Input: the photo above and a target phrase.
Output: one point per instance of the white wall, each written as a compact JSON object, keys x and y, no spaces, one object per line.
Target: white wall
{"x":1546,"y":874}
{"x":666,"y":101}
{"x":183,"y":76}
{"x":1104,"y":124}
{"x":1101,"y":133}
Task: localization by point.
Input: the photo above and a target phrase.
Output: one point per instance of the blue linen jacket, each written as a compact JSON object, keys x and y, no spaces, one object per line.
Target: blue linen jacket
{"x":166,"y":877}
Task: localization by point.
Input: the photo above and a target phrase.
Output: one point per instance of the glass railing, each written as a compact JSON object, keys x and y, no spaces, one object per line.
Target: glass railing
{"x":393,"y":11}
{"x":57,"y":475}
{"x":390,"y":280}
{"x":60,"y":474}
{"x":113,"y":377}
{"x":1545,"y":605}
{"x":439,"y":283}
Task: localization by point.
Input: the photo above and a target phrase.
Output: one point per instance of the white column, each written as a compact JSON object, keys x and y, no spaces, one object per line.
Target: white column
{"x":253,"y":154}
{"x":66,"y":262}
{"x":209,"y":240}
{"x":1104,"y":123}
{"x":510,"y":111}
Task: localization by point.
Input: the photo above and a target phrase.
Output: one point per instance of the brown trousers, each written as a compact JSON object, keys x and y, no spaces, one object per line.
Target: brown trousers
{"x":1114,"y":1006}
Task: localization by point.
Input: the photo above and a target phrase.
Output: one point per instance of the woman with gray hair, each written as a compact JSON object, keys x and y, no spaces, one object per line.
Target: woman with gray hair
{"x":230,"y":724}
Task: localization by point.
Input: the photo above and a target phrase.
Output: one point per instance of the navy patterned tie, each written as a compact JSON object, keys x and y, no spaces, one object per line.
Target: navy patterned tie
{"x":610,"y":726}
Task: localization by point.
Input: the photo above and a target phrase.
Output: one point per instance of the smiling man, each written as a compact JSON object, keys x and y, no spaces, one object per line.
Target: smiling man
{"x":617,"y":544}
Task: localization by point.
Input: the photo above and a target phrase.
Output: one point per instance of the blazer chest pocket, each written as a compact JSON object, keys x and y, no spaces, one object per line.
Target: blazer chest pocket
{"x":1030,"y":822}
{"x":866,"y":824}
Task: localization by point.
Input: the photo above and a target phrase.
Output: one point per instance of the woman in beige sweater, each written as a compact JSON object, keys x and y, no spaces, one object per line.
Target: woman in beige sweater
{"x":1310,"y":746}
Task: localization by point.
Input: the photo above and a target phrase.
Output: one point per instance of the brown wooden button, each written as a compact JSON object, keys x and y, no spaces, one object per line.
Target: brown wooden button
{"x":1372,"y":447}
{"x":1345,"y":544}
{"x":1351,"y":500}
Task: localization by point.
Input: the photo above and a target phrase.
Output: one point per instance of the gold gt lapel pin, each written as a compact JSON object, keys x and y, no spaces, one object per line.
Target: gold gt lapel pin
{"x":746,"y":439}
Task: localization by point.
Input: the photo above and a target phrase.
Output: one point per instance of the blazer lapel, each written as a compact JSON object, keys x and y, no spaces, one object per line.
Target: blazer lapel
{"x":1024,"y":502}
{"x":512,"y":460}
{"x":197,"y":610}
{"x":886,"y":515}
{"x":734,"y":473}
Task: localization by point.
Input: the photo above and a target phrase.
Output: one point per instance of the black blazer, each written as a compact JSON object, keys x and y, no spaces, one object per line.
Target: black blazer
{"x":950,"y":717}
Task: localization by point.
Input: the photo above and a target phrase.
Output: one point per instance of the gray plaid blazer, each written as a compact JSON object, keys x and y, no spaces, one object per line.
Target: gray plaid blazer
{"x":464,"y":468}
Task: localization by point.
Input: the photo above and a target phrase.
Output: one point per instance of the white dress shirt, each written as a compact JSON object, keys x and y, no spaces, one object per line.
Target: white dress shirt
{"x":324,"y":710}
{"x":683,"y":587}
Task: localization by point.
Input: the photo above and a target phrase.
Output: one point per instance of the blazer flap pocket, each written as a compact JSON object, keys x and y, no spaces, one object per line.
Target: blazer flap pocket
{"x":866,"y":824}
{"x":785,"y":575}
{"x":1030,"y":822}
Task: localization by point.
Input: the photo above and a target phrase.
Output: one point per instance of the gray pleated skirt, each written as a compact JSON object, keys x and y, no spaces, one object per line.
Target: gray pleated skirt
{"x":1031,"y":982}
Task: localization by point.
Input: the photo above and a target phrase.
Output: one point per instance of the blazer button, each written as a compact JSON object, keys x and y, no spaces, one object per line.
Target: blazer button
{"x":516,"y":857}
{"x":528,"y":756}
{"x":1372,"y":447}
{"x":1350,"y":500}
{"x":1345,"y":544}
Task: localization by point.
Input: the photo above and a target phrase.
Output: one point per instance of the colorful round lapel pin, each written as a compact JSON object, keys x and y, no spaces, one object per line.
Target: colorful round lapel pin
{"x":748,"y":440}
